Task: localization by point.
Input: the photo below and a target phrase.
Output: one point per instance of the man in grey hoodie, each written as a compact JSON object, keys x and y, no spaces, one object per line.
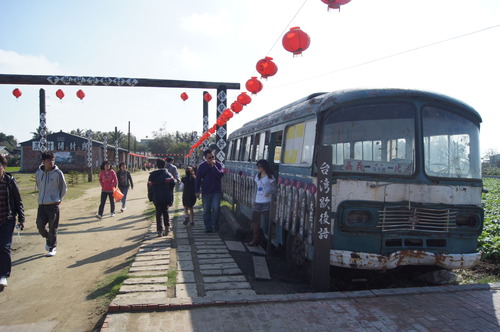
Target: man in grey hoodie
{"x":51,"y":189}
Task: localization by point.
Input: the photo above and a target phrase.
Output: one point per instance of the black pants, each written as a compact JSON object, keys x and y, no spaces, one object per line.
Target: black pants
{"x":48,"y":214}
{"x":6,"y":231}
{"x":161,"y":213}
{"x":104,"y":195}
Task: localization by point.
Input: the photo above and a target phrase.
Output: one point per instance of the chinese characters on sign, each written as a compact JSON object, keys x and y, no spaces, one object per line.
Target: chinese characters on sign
{"x":322,"y":220}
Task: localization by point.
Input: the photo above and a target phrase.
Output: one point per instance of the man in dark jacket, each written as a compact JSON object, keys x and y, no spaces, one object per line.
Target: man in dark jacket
{"x":209,"y":186}
{"x":160,"y":186}
{"x":11,"y":206}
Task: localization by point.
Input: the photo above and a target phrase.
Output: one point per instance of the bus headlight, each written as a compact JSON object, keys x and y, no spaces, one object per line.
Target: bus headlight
{"x":359,"y":218}
{"x":470,"y":220}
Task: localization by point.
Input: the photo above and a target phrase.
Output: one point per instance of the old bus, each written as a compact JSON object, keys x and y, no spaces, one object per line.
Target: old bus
{"x":405,"y":183}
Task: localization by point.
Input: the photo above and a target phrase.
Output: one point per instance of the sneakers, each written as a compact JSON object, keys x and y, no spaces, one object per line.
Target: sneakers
{"x":52,"y":252}
{"x":3,"y":282}
{"x":165,"y":232}
{"x":159,"y":234}
{"x":98,"y":216}
{"x":123,"y":209}
{"x":112,"y":214}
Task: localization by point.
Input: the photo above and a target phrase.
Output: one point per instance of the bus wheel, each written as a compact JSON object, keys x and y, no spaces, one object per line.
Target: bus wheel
{"x":295,"y":250}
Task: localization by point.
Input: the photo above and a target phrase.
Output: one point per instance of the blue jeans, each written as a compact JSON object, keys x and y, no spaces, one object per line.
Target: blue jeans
{"x":6,"y":230}
{"x":124,"y":191}
{"x":211,"y":210}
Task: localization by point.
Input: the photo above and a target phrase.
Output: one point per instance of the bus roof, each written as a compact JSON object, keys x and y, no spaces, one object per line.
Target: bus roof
{"x":320,"y":101}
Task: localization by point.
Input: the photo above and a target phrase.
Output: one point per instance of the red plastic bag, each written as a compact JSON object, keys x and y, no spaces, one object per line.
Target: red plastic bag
{"x":117,"y":194}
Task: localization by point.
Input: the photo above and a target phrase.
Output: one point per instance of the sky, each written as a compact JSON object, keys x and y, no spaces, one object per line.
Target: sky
{"x":444,"y":46}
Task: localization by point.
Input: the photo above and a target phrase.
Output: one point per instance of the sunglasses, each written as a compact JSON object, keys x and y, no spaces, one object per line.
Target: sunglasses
{"x":212,"y":157}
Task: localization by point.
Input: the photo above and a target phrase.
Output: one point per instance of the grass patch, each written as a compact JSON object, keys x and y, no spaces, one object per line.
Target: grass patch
{"x":29,"y":192}
{"x":13,"y":169}
{"x":172,"y":278}
{"x":109,"y":287}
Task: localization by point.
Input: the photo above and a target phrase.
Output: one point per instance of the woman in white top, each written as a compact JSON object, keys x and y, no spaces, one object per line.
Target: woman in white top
{"x":266,"y":187}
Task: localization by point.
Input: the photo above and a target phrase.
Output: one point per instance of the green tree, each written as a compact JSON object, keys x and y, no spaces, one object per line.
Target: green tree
{"x":8,"y":140}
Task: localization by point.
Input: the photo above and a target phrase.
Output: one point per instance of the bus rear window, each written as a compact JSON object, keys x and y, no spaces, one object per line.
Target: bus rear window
{"x":375,"y":138}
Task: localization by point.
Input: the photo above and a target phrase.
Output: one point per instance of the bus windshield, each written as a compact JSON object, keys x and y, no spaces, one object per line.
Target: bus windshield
{"x":373,"y":138}
{"x":449,"y":140}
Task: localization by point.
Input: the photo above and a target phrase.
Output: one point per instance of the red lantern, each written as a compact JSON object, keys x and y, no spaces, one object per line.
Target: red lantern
{"x":296,"y":41}
{"x":244,"y":99}
{"x":60,"y":94}
{"x":266,"y":67}
{"x":254,"y":85}
{"x":220,"y":122}
{"x":17,"y":93}
{"x":335,"y":4}
{"x":236,"y":107}
{"x":80,"y":94}
{"x":184,"y":96}
{"x":227,"y":113}
{"x":207,"y":97}
{"x":212,"y":129}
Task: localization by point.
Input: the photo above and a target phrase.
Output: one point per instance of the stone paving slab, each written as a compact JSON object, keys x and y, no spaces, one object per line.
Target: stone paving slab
{"x":152,"y":256}
{"x":185,"y":265}
{"x":235,"y":246}
{"x":229,"y":293}
{"x":256,"y":250}
{"x":209,"y":279}
{"x":185,"y":277}
{"x":186,"y":290}
{"x":154,"y":280}
{"x":222,"y":266}
{"x":183,"y":256}
{"x":143,"y":288}
{"x":151,"y":262}
{"x":149,"y":268}
{"x":147,"y":273}
{"x":221,"y":272}
{"x":202,"y":260}
{"x":226,"y":285}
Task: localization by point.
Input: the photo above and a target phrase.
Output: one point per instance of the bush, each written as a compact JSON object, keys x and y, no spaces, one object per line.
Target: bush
{"x":489,"y":240}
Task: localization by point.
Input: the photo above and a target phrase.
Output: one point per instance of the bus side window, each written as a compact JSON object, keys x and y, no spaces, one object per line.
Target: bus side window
{"x":261,"y":143}
{"x":275,"y":146}
{"x":230,"y":152}
{"x":237,"y":149}
{"x":299,"y":143}
{"x":246,"y":148}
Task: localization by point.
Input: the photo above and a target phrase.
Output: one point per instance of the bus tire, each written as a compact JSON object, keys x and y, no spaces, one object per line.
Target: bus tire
{"x":295,"y":250}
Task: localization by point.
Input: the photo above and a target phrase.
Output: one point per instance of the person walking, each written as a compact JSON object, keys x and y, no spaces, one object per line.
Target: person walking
{"x":124,"y":182}
{"x":11,"y":205}
{"x":160,"y":187}
{"x":209,"y":186}
{"x":51,"y":190}
{"x":172,"y":169}
{"x":108,"y":180}
{"x":188,"y":194}
{"x":266,"y":187}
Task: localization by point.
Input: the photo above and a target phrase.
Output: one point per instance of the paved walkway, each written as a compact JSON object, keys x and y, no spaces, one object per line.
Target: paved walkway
{"x":211,"y":294}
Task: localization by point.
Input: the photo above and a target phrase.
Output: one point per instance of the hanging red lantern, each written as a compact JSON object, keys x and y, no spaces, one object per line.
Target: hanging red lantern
{"x":212,"y":129}
{"x":244,"y":99}
{"x":17,"y":93}
{"x":227,"y":113}
{"x":60,"y":94}
{"x":335,"y":4}
{"x":254,"y":85}
{"x":207,"y":97}
{"x":184,"y":96}
{"x":80,"y":94}
{"x":220,"y":122}
{"x":236,"y":107}
{"x":266,"y":67}
{"x":296,"y":41}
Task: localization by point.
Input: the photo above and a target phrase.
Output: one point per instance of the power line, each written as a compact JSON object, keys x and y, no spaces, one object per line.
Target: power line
{"x":397,"y":54}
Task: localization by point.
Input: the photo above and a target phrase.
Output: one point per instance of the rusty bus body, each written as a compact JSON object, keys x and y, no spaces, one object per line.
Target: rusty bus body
{"x":406,"y":180}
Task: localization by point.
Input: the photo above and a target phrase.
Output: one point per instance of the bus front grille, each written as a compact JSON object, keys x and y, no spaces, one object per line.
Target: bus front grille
{"x":408,"y":218}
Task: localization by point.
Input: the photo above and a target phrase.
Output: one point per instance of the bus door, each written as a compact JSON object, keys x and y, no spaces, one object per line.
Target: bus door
{"x":274,"y":155}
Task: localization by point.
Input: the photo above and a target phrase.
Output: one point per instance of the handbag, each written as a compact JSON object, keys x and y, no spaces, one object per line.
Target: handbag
{"x":117,"y":194}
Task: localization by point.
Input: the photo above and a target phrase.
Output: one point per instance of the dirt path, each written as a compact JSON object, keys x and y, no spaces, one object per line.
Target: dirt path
{"x":56,"y":293}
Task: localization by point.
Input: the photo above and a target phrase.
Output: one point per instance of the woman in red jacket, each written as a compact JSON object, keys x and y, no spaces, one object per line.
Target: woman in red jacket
{"x":108,"y":181}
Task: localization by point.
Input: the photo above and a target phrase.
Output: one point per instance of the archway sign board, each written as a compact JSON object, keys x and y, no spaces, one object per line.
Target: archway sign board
{"x":221,"y":88}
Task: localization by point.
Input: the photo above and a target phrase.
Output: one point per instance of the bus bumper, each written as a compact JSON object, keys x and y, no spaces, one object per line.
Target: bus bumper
{"x":367,"y":261}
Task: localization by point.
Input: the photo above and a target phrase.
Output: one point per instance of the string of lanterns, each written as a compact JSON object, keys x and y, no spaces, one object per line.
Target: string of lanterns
{"x":295,"y":41}
{"x":59,"y":93}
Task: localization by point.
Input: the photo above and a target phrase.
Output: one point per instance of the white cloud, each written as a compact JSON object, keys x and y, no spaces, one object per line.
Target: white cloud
{"x":14,"y":63}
